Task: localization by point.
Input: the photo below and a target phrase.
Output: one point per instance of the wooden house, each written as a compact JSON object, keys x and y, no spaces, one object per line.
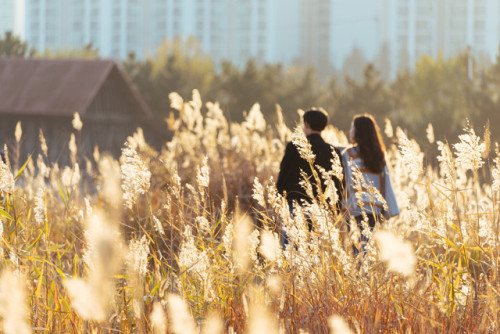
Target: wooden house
{"x":45,"y":94}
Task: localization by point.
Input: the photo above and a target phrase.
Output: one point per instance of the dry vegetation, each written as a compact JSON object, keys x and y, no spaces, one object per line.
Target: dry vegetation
{"x":186,"y":239}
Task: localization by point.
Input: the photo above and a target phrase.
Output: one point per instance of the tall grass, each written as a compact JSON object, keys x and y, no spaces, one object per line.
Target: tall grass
{"x":187,"y":239}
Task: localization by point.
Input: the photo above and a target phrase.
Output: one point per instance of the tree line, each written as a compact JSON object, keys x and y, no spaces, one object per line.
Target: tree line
{"x":444,"y":92}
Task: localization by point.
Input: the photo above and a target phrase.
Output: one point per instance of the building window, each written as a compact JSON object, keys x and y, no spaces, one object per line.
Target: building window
{"x":160,"y":26}
{"x":423,"y":39}
{"x":403,"y":11}
{"x":424,"y":10}
{"x":177,"y":27}
{"x":402,"y":40}
{"x":479,"y":25}
{"x":244,"y":53}
{"x":421,"y":25}
{"x":479,"y":39}
{"x":480,"y":10}
{"x":245,"y":25}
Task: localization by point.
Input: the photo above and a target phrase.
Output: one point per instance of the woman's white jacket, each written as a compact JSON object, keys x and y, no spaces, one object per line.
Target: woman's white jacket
{"x":363,"y":188}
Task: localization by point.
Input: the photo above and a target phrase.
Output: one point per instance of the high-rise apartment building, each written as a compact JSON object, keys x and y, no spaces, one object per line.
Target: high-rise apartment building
{"x":473,"y":24}
{"x":316,"y":29}
{"x":285,"y":26}
{"x":355,"y":24}
{"x":11,"y":18}
{"x":440,"y":27}
{"x":46,"y":24}
{"x":248,"y":34}
{"x":317,"y":32}
{"x":268,"y":30}
{"x":233,"y":29}
{"x":412,"y":28}
{"x":6,"y":16}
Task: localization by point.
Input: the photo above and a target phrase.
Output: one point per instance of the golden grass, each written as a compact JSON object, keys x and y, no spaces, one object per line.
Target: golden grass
{"x":187,"y":239}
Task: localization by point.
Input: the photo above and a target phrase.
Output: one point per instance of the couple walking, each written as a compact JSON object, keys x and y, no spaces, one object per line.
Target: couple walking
{"x":364,"y":168}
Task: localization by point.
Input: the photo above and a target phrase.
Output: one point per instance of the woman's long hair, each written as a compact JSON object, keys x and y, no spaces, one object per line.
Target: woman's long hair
{"x":371,"y":146}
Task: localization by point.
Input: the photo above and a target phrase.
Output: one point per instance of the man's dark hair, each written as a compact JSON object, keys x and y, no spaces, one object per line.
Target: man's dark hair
{"x":316,"y":118}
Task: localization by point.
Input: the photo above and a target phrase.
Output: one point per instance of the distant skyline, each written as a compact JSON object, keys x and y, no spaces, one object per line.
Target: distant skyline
{"x":321,"y":32}
{"x":355,"y":23}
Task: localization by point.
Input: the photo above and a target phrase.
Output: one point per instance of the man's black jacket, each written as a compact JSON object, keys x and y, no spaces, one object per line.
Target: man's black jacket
{"x":289,"y":176}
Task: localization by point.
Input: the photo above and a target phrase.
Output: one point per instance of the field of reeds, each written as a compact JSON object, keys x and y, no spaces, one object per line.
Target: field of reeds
{"x":186,"y":239}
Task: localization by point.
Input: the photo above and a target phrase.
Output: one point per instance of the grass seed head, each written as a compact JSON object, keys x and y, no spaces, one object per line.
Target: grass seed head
{"x":6,"y":179}
{"x":242,"y":243}
{"x":135,"y":175}
{"x":261,"y":320}
{"x":13,"y":304}
{"x":181,"y":321}
{"x":137,"y":258}
{"x":303,"y":146}
{"x":269,"y":245}
{"x":158,"y":319}
{"x":398,"y":254}
{"x":19,"y":132}
{"x":85,"y":299}
{"x":92,"y":296}
{"x":470,"y":150}
{"x":338,"y":325}
{"x":77,"y":122}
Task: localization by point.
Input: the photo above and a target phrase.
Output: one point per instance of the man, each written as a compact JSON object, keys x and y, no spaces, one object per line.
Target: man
{"x":289,"y":177}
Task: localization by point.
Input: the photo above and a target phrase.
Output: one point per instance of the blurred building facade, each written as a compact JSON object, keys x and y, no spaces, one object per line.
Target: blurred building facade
{"x":414,"y":28}
{"x":7,"y":14}
{"x":11,"y":16}
{"x":269,"y":30}
{"x":225,"y":29}
{"x":315,"y":32}
{"x":288,"y":31}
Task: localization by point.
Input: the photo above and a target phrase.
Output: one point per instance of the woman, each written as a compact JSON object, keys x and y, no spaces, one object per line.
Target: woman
{"x":366,"y":175}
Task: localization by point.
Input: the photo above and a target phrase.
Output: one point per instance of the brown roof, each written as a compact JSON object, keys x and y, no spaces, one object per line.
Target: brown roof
{"x":56,"y":87}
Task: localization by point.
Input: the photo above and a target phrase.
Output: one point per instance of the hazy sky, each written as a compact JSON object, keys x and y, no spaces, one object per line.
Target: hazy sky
{"x":356,"y":23}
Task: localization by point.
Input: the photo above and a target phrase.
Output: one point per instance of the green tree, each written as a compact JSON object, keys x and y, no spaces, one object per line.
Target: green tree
{"x":268,"y":84}
{"x":354,"y":64}
{"x":86,"y":52}
{"x":440,"y":92}
{"x":487,"y":97}
{"x":369,"y":96}
{"x":301,"y":89}
{"x":382,"y":61}
{"x":239,"y":90}
{"x":13,"y":46}
{"x":178,"y":66}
